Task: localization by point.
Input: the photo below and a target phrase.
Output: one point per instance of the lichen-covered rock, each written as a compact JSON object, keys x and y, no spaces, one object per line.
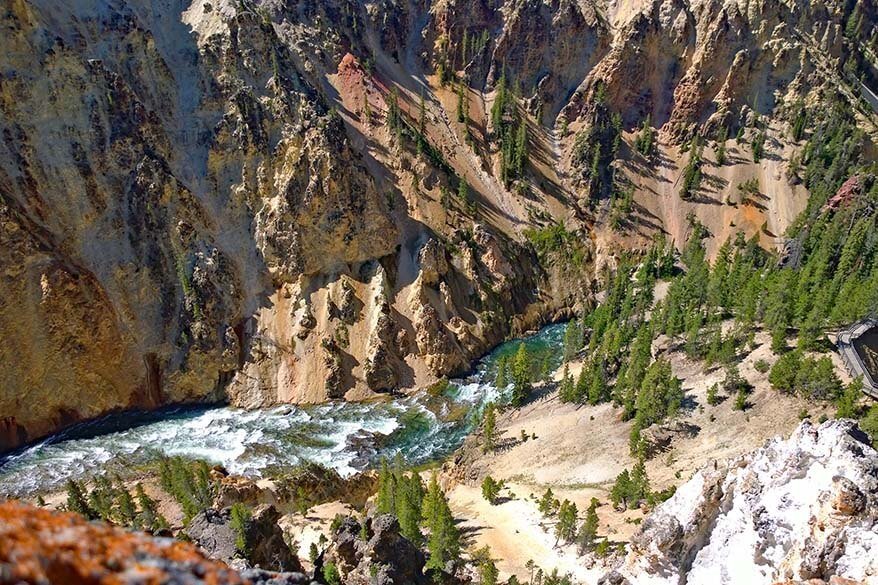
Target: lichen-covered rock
{"x":797,"y":509}
{"x":41,"y":546}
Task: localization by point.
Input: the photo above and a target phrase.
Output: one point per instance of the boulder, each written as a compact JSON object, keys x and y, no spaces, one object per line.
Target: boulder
{"x":264,"y":548}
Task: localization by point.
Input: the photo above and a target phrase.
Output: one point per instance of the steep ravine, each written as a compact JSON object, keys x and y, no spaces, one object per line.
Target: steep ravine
{"x":205,"y":201}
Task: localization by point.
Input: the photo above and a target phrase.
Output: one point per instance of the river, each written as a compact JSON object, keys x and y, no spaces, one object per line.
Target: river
{"x":346,"y":436}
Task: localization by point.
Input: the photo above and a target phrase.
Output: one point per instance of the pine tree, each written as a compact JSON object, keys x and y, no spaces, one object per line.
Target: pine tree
{"x":621,"y":492}
{"x":149,"y":517}
{"x":547,"y":503}
{"x":848,"y":403}
{"x":443,"y":543}
{"x":386,"y":503}
{"x":367,"y":110}
{"x":239,"y":521}
{"x":567,"y":391}
{"x":488,"y":573}
{"x":645,"y":142}
{"x":409,"y":504}
{"x":521,"y":376}
{"x":500,"y":381}
{"x":77,"y":501}
{"x":461,"y":97}
{"x":721,"y":138}
{"x":126,"y":510}
{"x":640,"y":488}
{"x":589,"y":530}
{"x":489,"y":428}
{"x":498,"y":109}
{"x":565,"y":529}
{"x":491,"y":489}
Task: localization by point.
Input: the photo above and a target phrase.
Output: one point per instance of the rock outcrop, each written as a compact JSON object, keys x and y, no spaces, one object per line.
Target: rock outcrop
{"x":263,"y":540}
{"x":798,"y":509}
{"x":384,"y":557}
{"x":40,"y":546}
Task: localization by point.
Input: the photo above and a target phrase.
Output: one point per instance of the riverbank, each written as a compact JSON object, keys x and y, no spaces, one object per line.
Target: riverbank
{"x":580,"y":449}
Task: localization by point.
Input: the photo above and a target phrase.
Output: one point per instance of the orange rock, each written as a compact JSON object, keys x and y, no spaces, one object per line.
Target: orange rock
{"x":43,"y":546}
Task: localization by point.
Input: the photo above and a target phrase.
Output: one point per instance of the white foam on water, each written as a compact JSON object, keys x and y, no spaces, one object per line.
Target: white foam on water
{"x":248,"y":442}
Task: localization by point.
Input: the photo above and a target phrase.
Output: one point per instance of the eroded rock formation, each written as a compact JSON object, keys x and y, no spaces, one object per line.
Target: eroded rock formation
{"x":209,"y":200}
{"x":797,"y":509}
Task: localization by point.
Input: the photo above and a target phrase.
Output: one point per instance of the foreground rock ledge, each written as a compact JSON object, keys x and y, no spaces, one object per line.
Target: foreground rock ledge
{"x":42,"y":546}
{"x":798,"y":509}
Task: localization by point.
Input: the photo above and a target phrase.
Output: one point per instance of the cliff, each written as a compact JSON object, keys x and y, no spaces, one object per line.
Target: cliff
{"x":268,"y":202}
{"x":797,"y":509}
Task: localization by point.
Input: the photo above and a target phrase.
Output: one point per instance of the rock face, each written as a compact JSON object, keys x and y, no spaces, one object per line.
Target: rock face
{"x":39,"y":546}
{"x":384,"y":558}
{"x":797,"y":509}
{"x":265,"y":547}
{"x":205,"y":200}
{"x":185,"y":217}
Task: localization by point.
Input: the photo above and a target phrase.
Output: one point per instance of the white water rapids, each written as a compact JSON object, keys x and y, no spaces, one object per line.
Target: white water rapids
{"x":344,"y":435}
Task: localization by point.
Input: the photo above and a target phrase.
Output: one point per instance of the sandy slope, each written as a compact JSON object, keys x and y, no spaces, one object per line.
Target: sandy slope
{"x":579,"y":450}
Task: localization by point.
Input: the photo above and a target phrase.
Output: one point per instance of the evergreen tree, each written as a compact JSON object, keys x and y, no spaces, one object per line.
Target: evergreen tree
{"x":489,"y":428}
{"x":409,"y":503}
{"x":443,"y":543}
{"x":645,"y":142}
{"x":721,"y":138}
{"x":848,"y":403}
{"x":498,"y":109}
{"x":521,"y":376}
{"x":589,"y":530}
{"x":461,"y":96}
{"x":565,"y":529}
{"x":548,"y":503}
{"x":126,"y":510}
{"x":491,"y":489}
{"x":149,"y":517}
{"x":386,"y":503}
{"x":501,"y":381}
{"x":78,"y":502}
{"x":239,"y":521}
{"x":640,"y":489}
{"x":621,"y":491}
{"x":692,"y":171}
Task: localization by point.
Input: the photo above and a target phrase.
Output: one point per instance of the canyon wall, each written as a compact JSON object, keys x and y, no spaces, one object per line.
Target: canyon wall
{"x":204,"y":200}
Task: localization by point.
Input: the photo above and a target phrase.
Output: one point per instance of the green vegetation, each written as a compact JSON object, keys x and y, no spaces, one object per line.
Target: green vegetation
{"x":188,"y":482}
{"x":587,"y":535}
{"x":402,"y":494}
{"x":491,"y":489}
{"x":692,"y":171}
{"x":721,"y":138}
{"x":510,"y":129}
{"x":240,"y":519}
{"x":331,"y":576}
{"x":630,"y":489}
{"x":443,"y":544}
{"x":555,"y":241}
{"x":805,"y":376}
{"x":645,"y":141}
{"x":565,"y":528}
{"x":115,"y":504}
{"x":595,"y":148}
{"x":489,"y":428}
{"x":521,"y":376}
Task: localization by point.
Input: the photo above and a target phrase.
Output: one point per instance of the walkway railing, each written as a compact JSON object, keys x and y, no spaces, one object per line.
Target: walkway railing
{"x":852,"y":360}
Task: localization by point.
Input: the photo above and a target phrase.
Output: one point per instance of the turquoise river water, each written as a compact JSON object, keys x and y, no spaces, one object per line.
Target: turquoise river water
{"x":346,"y":436}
